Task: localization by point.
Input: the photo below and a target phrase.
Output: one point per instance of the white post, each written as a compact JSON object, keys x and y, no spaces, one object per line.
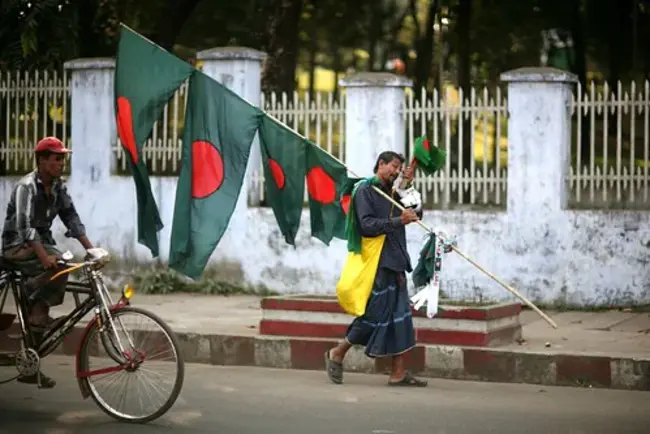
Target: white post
{"x":93,"y":122}
{"x":539,"y":140}
{"x":373,"y":122}
{"x":240,"y":70}
{"x":93,"y":134}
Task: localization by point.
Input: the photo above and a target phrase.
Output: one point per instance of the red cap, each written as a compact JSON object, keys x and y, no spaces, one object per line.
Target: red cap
{"x":51,"y":144}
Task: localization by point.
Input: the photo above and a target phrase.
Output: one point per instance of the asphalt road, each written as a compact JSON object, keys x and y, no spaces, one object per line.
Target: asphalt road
{"x":241,"y":400}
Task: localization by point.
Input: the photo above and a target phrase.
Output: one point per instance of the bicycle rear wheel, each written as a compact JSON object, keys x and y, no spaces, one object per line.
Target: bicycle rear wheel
{"x":98,"y":367}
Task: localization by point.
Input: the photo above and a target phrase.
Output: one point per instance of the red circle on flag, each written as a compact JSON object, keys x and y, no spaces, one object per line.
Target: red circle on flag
{"x":207,"y":169}
{"x":277,"y":172}
{"x":125,"y":127}
{"x":425,"y":145}
{"x":345,"y":203}
{"x":321,"y":186}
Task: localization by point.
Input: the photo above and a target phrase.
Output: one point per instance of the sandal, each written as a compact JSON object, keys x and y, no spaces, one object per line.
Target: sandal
{"x":408,"y":380}
{"x":46,"y":382}
{"x":334,"y":369}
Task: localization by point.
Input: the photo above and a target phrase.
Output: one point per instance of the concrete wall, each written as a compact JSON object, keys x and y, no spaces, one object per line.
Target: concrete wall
{"x":547,"y":252}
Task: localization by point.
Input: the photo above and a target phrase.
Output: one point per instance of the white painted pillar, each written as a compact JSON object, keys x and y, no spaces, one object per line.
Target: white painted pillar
{"x":373,"y":122}
{"x":240,"y":70}
{"x":539,"y":140}
{"x":92,"y":139}
{"x":93,"y":122}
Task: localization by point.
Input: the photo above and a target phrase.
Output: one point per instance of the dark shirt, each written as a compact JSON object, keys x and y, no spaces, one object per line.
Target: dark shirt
{"x":30,"y":213}
{"x":376,"y":215}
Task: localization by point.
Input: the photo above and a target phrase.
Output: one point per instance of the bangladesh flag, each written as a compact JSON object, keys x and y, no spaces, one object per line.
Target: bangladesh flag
{"x":326,"y":178}
{"x":284,"y":159}
{"x":219,"y":130}
{"x":429,"y":158}
{"x":146,"y":77}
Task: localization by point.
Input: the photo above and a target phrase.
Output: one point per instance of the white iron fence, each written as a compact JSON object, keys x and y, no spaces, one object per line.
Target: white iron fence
{"x":472,"y":129}
{"x":32,"y":105}
{"x":610,"y":149}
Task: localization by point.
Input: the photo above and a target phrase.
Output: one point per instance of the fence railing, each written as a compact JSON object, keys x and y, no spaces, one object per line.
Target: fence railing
{"x":32,"y":105}
{"x":472,"y":129}
{"x":610,"y":149}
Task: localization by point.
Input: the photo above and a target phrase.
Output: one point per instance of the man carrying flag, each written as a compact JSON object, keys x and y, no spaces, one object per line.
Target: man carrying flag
{"x":386,"y":326}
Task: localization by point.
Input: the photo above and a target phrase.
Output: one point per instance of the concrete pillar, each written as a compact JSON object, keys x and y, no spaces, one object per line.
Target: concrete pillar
{"x":539,"y":140}
{"x":373,"y":119}
{"x":93,"y":131}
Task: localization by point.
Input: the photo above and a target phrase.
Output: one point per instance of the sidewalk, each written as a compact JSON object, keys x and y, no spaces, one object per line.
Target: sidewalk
{"x":589,"y":349}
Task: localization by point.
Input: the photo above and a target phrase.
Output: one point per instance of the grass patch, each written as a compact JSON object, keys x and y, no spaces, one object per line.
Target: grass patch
{"x":159,"y":279}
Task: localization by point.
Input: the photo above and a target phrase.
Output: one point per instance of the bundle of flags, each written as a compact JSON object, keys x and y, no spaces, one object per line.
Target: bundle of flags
{"x":217,"y":137}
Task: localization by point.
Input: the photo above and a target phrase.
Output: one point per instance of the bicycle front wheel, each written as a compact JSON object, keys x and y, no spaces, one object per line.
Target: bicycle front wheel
{"x":148,"y":381}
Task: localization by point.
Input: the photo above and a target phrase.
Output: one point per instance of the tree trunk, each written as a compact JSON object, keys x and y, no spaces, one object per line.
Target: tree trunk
{"x":282,"y":46}
{"x":313,"y":50}
{"x":425,"y":47}
{"x":465,"y":82}
{"x":580,"y":69}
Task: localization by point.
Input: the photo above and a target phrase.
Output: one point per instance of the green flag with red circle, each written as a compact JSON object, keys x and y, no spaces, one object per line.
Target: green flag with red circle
{"x":429,"y":158}
{"x":146,"y":77}
{"x":217,"y":137}
{"x":326,"y":180}
{"x":284,"y":161}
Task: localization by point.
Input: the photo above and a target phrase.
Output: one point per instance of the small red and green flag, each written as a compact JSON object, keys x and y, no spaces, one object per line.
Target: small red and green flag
{"x":219,"y":130}
{"x":146,"y":77}
{"x":284,"y":156}
{"x":429,"y":158}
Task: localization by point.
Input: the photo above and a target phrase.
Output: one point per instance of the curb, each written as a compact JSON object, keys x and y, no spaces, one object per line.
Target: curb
{"x":435,"y":361}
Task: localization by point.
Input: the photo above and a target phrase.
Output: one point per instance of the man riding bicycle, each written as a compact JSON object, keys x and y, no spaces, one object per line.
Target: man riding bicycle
{"x":27,"y":240}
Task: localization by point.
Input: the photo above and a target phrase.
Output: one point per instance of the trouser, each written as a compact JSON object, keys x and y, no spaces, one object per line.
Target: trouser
{"x":38,"y":286}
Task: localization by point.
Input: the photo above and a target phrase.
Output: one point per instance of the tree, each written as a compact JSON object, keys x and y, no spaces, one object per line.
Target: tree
{"x":281,"y":36}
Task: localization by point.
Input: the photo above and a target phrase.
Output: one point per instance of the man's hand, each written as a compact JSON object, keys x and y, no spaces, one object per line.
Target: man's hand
{"x":409,"y":173}
{"x":408,"y":216}
{"x":49,"y":261}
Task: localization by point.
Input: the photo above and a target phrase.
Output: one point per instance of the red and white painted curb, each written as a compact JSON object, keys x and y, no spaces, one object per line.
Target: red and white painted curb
{"x":437,"y":361}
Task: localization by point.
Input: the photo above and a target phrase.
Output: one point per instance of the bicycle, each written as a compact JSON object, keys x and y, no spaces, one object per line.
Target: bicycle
{"x":106,"y":324}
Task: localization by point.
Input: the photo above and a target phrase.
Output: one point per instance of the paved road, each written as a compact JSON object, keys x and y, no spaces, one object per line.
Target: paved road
{"x":240,"y":400}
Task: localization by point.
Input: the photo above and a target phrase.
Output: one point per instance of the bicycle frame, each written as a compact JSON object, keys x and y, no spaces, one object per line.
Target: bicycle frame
{"x":98,"y":299}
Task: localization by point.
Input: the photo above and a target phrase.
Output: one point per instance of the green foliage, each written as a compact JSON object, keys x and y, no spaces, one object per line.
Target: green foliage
{"x":161,"y":280}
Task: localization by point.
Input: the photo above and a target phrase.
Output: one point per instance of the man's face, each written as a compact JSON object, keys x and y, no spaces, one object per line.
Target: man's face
{"x":53,"y":165}
{"x":389,"y":172}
